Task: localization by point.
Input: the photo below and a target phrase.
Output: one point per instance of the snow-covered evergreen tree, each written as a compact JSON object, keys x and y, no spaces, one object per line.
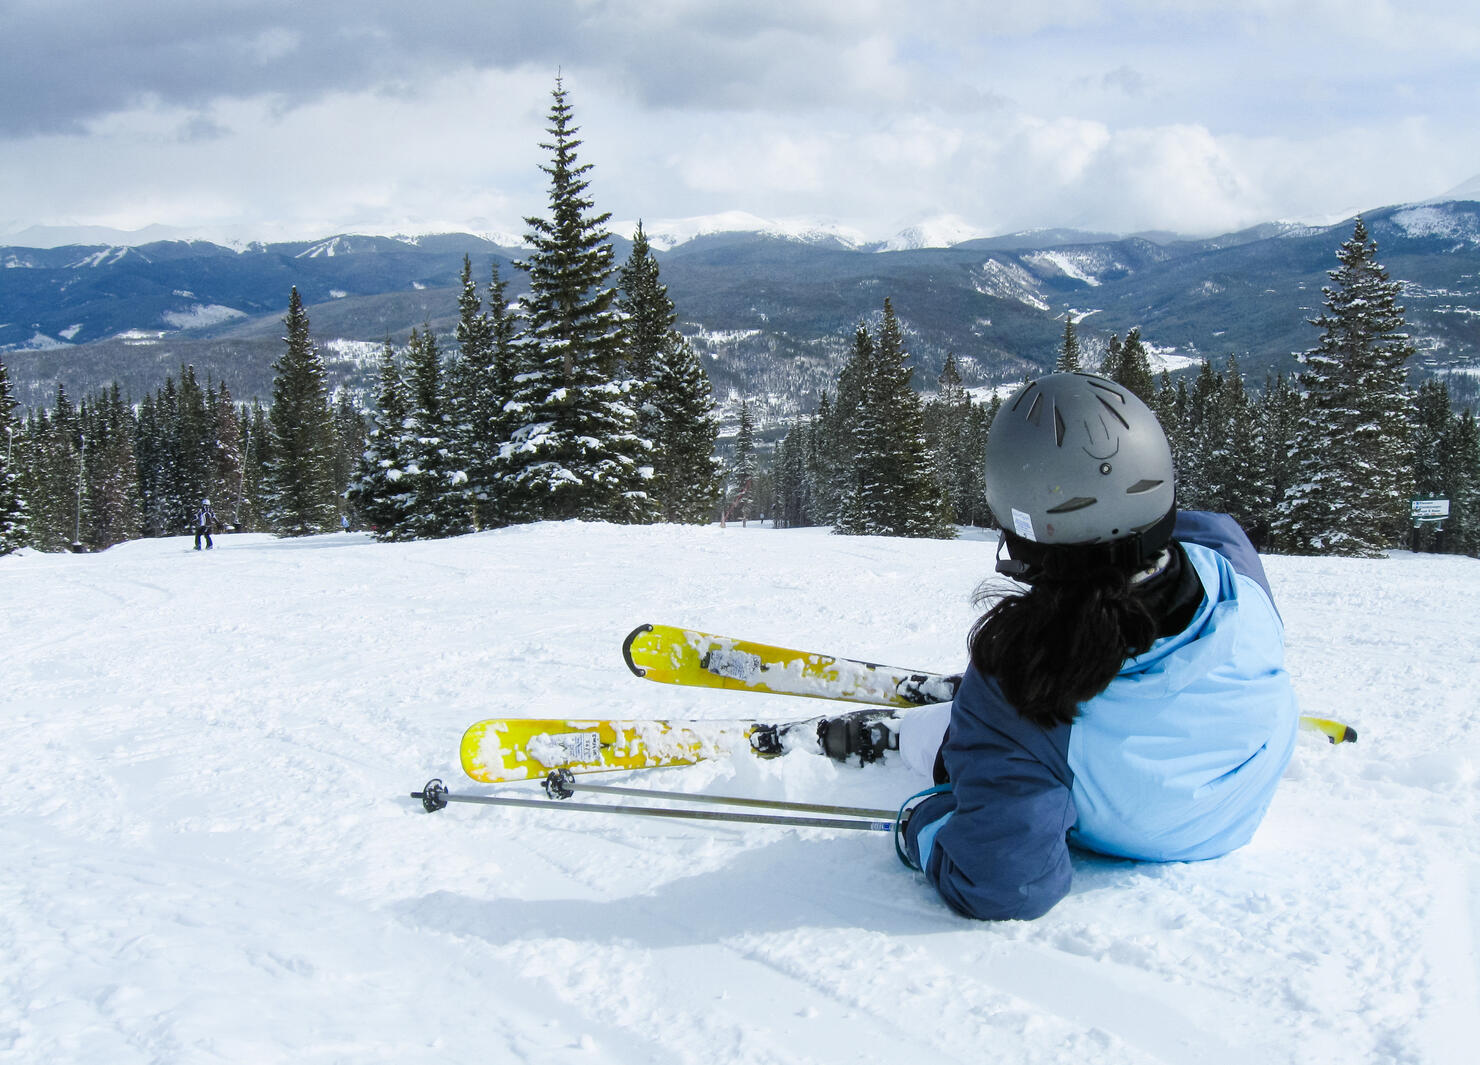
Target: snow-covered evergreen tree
{"x":1131,"y":365}
{"x":301,"y":496}
{"x":378,"y":494}
{"x":482,"y":383}
{"x":227,"y":473}
{"x":1279,"y":415}
{"x":574,"y":450}
{"x":196,"y":447}
{"x":743,"y":469}
{"x":14,"y":525}
{"x":112,"y":475}
{"x":256,"y":451}
{"x":1351,"y":496}
{"x":439,"y":505}
{"x":674,"y":396}
{"x":1460,"y":457}
{"x":894,"y":491}
{"x":955,"y":431}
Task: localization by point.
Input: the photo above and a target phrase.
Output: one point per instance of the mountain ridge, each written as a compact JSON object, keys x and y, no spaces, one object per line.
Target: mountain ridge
{"x":772,"y":310}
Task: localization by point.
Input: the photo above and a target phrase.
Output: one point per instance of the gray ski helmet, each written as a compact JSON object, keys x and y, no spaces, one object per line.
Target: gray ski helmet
{"x":1073,"y":458}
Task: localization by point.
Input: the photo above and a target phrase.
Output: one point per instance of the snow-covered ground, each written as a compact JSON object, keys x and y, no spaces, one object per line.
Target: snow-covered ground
{"x":211,"y":855}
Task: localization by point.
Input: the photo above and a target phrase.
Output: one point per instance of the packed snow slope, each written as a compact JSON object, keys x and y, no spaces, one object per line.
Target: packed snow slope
{"x":211,"y":855}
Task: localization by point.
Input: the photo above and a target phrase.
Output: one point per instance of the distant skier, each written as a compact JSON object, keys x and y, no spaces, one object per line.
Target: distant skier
{"x":205,"y":521}
{"x":1131,"y":701}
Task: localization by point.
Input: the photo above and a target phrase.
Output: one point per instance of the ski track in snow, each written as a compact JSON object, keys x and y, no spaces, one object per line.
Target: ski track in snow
{"x":211,"y":853}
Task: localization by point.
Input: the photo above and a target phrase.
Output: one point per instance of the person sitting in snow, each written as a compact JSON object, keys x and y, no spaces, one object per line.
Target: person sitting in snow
{"x":205,"y":521}
{"x":1131,"y":700}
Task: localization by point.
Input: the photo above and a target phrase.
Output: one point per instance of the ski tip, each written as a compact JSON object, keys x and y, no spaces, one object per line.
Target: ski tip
{"x":1349,"y":735}
{"x":632,"y":636}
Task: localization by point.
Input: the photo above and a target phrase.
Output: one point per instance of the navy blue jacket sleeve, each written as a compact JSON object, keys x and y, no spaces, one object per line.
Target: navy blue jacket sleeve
{"x":994,"y":845}
{"x":1225,"y":536}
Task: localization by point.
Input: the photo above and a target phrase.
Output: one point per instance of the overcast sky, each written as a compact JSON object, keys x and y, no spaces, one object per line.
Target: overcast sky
{"x":279,"y":118}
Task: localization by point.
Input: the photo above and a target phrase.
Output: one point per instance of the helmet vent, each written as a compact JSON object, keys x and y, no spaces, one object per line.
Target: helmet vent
{"x":1113,"y":412}
{"x":1035,"y":412}
{"x":1077,"y":503}
{"x":1143,"y":486}
{"x":1058,"y":427}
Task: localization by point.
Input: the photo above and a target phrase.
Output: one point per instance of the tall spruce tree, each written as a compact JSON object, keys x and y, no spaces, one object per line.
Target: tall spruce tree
{"x":301,"y":492}
{"x":1460,"y":457}
{"x":195,"y":466}
{"x":1133,"y":369}
{"x":895,"y":490}
{"x":112,"y":473}
{"x":1352,"y":492}
{"x":14,"y":526}
{"x":227,"y":469}
{"x":743,"y":469}
{"x":675,"y":400}
{"x":955,"y":431}
{"x":378,"y":495}
{"x":1279,"y":416}
{"x":1068,"y":360}
{"x":439,"y":505}
{"x":482,"y":382}
{"x":574,"y":450}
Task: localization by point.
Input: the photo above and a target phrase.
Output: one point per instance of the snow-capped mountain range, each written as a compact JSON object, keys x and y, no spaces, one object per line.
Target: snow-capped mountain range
{"x":772,"y":304}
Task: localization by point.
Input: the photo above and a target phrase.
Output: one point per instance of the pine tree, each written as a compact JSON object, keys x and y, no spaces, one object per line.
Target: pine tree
{"x":955,"y":432}
{"x":1460,"y":457}
{"x":301,"y":492}
{"x":1236,"y":481}
{"x":157,"y":451}
{"x":1134,"y":369}
{"x":481,"y":384}
{"x":1068,"y":361}
{"x":1110,"y":364}
{"x":675,"y":399}
{"x":1279,"y":417}
{"x":378,"y":495}
{"x":227,"y":469}
{"x":112,"y":475}
{"x":195,"y":468}
{"x":574,"y":450}
{"x":895,"y":490}
{"x":14,"y":524}
{"x":743,"y":469}
{"x":256,"y":464}
{"x":52,"y":480}
{"x":1354,"y":485}
{"x":438,"y":505}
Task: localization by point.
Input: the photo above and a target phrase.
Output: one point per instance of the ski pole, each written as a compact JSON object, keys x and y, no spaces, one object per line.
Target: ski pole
{"x":562,"y":784}
{"x":435,"y":796}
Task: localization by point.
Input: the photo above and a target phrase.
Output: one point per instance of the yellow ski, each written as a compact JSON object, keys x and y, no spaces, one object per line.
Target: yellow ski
{"x":672,"y":655}
{"x":529,"y":748}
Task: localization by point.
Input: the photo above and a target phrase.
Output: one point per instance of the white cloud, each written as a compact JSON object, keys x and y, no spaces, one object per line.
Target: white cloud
{"x":1150,"y":114}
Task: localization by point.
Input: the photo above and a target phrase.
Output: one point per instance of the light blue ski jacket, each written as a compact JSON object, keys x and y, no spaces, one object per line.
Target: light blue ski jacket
{"x":1176,"y":760}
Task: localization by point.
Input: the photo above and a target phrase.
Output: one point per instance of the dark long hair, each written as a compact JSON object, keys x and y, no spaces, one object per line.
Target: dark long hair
{"x":1063,"y":640}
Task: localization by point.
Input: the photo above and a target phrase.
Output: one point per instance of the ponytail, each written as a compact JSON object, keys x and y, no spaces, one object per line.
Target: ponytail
{"x":1062,"y":641}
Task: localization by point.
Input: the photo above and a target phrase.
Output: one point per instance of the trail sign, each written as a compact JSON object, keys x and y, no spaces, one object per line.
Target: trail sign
{"x":1430,"y":509}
